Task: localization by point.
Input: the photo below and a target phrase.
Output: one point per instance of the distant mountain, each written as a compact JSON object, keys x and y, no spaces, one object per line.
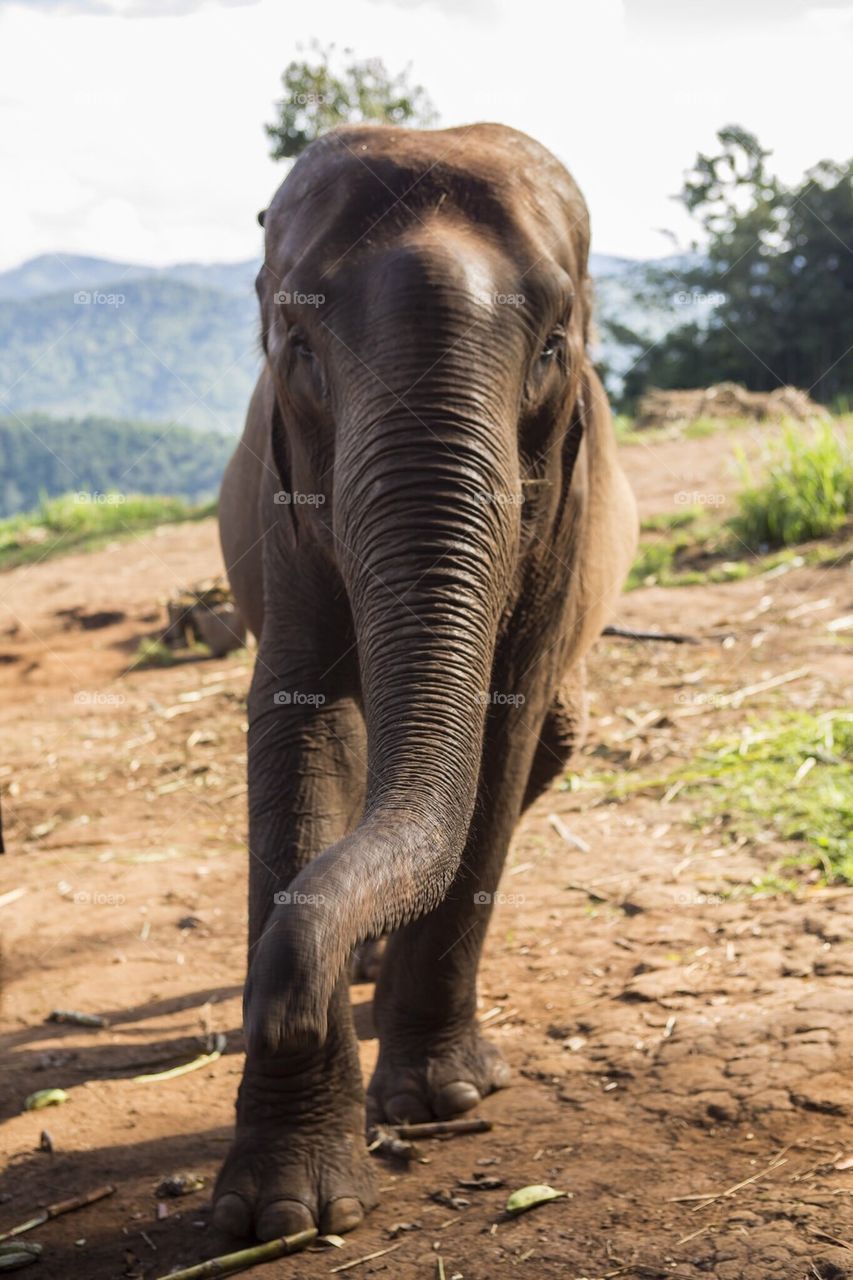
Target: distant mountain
{"x":605,"y":264}
{"x":85,"y":335}
{"x":153,"y":348}
{"x":54,"y":272}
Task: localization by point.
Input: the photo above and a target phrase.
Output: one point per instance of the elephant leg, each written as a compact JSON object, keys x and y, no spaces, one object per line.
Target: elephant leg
{"x":562,"y":734}
{"x":433,"y":1060}
{"x":299,"y":1158}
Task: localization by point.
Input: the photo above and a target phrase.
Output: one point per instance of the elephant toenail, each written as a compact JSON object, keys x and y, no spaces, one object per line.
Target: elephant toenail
{"x":454,"y":1098}
{"x":231,"y":1214}
{"x":340,"y":1216}
{"x":283,"y":1218}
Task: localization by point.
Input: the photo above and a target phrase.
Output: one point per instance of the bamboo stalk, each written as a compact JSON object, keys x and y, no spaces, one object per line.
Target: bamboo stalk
{"x":57,"y":1209}
{"x":227,"y":1263}
{"x":203,"y":1060}
{"x":438,"y":1128}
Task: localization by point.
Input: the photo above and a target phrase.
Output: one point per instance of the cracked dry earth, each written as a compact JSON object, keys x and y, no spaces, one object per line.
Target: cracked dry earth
{"x":673,"y":1036}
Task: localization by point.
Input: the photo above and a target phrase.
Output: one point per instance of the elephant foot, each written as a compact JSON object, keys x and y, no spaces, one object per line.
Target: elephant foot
{"x":294,"y":1164}
{"x":415,"y":1082}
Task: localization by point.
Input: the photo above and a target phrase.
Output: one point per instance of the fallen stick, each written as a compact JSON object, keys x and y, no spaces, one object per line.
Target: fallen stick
{"x":671,"y":637}
{"x":56,"y":1210}
{"x":73,"y":1018}
{"x":555,"y":821}
{"x":824,"y":1235}
{"x":386,"y":1142}
{"x":721,"y":1195}
{"x":345,"y":1266}
{"x":439,"y":1128}
{"x":227,"y":1263}
{"x":202,"y":1060}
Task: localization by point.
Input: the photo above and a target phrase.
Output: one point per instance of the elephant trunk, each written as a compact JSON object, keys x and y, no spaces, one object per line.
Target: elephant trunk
{"x":426,"y":530}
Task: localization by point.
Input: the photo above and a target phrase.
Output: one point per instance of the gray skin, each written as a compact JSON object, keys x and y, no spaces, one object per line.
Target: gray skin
{"x":422,"y":622}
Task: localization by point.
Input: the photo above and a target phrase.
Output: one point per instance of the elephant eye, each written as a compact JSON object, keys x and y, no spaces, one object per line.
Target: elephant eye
{"x":300,"y":344}
{"x":553,"y":344}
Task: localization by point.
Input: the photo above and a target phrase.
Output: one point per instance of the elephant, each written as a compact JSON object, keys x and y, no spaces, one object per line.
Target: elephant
{"x":426,"y":526}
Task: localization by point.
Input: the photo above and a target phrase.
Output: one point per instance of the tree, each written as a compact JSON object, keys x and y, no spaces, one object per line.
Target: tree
{"x":317,"y":97}
{"x":777,"y":265}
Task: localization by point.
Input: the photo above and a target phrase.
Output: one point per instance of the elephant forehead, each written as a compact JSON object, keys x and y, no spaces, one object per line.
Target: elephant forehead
{"x":442,"y":267}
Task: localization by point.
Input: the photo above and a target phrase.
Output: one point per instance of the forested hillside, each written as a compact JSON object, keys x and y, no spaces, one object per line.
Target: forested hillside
{"x":45,"y":456}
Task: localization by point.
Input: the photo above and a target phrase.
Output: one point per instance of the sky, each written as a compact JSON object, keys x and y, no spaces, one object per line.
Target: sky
{"x":133,"y":129}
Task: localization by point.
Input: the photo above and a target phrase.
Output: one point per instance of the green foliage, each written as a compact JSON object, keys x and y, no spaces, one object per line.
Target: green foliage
{"x":770,"y":289}
{"x":807,"y":491}
{"x":153,"y":653}
{"x":76,"y":521}
{"x":317,"y":97}
{"x":788,"y":781}
{"x":40,"y":456}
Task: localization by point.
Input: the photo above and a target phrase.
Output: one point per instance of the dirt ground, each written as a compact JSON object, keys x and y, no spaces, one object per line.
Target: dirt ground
{"x":670,"y":1041}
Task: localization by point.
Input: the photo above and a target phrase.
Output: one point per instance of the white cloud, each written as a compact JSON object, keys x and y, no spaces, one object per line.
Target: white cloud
{"x":144,"y":140}
{"x":122,"y":8}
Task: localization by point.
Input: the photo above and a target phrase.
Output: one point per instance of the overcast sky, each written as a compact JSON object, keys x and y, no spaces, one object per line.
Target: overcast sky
{"x":132,"y":129}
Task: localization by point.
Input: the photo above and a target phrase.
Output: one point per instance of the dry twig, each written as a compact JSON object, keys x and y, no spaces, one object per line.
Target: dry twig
{"x":57,"y":1209}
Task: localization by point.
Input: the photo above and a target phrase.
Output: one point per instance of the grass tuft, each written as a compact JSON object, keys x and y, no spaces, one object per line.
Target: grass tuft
{"x":787,"y":781}
{"x":75,"y":522}
{"x":806,"y":493}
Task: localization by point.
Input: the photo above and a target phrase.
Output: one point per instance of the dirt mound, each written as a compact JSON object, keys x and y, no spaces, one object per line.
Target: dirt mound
{"x":725,"y":400}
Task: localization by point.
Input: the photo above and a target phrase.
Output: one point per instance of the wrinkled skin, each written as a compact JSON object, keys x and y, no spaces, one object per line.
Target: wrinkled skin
{"x":423,"y":608}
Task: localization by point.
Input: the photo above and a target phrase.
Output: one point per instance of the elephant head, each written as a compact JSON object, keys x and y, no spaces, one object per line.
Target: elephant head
{"x":424,"y":326}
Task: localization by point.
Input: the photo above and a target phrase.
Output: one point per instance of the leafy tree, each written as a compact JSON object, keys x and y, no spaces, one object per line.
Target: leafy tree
{"x":317,"y":97}
{"x":771,"y":286}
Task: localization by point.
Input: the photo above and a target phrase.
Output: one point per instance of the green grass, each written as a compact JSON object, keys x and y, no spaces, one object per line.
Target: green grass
{"x":77,"y":522}
{"x":805,"y":493}
{"x":668,"y":563}
{"x":788,"y":781}
{"x":153,"y":653}
{"x":665,"y":522}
